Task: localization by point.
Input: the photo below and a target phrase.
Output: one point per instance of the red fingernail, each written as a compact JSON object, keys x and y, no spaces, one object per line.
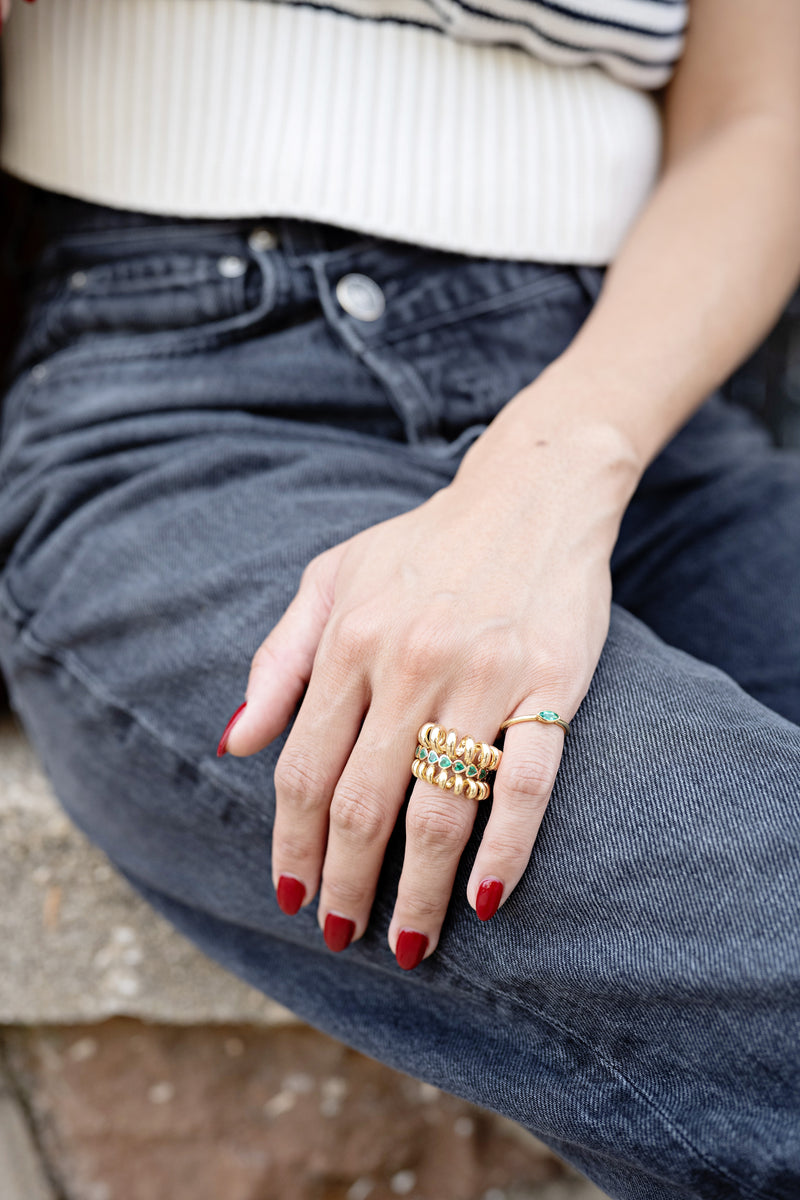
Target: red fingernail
{"x":338,"y":931}
{"x":411,"y":947}
{"x":291,"y":893}
{"x":488,"y":898}
{"x":223,"y":741}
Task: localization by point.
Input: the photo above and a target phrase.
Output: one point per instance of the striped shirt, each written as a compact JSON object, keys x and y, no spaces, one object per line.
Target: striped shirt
{"x":636,"y":41}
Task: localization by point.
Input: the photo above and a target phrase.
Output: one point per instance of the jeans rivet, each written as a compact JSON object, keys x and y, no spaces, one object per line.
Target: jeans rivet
{"x":231,"y":266}
{"x":262,"y":239}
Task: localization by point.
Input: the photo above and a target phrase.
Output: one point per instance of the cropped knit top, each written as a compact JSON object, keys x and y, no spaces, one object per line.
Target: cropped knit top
{"x":525,"y":129}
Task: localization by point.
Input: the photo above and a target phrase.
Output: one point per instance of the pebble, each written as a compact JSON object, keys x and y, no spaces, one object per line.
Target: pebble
{"x":161,"y":1093}
{"x":403,"y":1182}
{"x":85,"y":1047}
{"x":280,"y":1103}
{"x":360,"y":1189}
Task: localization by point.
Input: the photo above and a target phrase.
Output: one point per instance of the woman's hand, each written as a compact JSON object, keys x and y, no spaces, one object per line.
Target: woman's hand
{"x":489,"y":600}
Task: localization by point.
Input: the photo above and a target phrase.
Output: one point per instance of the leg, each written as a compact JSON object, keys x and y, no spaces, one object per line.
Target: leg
{"x":707,"y":555}
{"x":633,"y":1003}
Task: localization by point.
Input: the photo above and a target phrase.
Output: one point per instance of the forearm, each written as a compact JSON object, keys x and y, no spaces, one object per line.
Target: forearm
{"x":698,"y":282}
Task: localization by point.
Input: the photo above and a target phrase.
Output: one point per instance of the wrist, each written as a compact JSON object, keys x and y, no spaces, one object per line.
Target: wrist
{"x":543,"y":439}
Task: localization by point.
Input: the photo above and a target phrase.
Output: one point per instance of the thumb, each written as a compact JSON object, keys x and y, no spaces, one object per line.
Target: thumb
{"x":281,"y":666}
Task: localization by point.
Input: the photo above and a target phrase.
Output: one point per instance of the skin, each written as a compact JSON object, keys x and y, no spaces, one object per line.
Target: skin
{"x":377,"y":634}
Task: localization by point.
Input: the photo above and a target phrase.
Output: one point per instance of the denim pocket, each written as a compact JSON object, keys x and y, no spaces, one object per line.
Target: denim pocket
{"x":143,"y":293}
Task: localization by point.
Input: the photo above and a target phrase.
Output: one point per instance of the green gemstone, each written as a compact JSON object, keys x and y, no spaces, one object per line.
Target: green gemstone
{"x":433,"y":756}
{"x":472,"y":770}
{"x":421,"y":752}
{"x":458,"y":765}
{"x":444,"y":761}
{"x":482,"y":773}
{"x":548,"y":715}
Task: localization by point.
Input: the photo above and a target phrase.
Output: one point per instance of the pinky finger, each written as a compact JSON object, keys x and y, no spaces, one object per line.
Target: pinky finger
{"x":521,"y":792}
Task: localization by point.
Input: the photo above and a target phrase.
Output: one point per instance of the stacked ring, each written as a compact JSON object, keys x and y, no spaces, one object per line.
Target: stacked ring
{"x":440,"y":750}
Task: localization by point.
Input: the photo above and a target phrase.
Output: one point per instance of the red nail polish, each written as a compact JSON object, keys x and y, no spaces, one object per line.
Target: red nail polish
{"x":338,"y":931}
{"x":488,"y":899}
{"x":223,"y":741}
{"x":411,"y":947}
{"x":291,"y":893}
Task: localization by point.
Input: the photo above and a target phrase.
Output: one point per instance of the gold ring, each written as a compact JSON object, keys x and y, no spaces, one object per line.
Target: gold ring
{"x":546,"y":716}
{"x":440,"y":750}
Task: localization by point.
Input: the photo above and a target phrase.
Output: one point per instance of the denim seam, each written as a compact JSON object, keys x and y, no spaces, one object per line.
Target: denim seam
{"x":499,"y":302}
{"x":131,"y":234}
{"x":72,"y":665}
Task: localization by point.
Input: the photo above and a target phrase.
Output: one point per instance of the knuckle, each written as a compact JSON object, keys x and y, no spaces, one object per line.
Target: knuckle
{"x":419,"y":661}
{"x":292,"y":848}
{"x":355,"y":816}
{"x":526,"y":780}
{"x":425,"y":649}
{"x":349,"y":635}
{"x":432,"y":826}
{"x":345,"y":895}
{"x":417,"y":906}
{"x":513,"y":851}
{"x":299,"y":781}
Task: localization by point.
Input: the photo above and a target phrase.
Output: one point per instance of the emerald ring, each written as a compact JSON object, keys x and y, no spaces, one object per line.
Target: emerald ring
{"x":546,"y":715}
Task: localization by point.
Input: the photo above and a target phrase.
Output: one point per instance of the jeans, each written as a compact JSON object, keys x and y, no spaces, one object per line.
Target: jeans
{"x":193,"y":410}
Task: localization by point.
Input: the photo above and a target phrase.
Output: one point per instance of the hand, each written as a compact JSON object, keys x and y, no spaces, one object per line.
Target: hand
{"x":489,"y":600}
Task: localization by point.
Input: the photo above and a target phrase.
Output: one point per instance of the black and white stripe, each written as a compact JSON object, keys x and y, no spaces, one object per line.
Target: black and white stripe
{"x":636,"y":41}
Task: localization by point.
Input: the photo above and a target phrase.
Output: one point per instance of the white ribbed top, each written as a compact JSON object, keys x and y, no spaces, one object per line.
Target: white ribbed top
{"x":235,"y":108}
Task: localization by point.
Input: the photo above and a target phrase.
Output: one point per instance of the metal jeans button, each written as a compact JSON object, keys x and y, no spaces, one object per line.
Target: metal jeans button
{"x":360,"y":296}
{"x":262,"y":239}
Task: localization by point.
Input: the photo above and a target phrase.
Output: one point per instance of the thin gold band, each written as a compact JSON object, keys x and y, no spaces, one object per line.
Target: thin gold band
{"x":546,"y":716}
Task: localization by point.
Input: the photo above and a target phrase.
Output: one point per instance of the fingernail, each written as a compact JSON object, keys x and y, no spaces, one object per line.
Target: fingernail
{"x":411,"y":947}
{"x":223,"y":741}
{"x":291,"y":893}
{"x":338,"y":931}
{"x":488,"y":899}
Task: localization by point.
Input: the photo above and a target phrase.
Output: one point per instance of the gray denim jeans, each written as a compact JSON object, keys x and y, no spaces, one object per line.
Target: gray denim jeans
{"x":191,"y":414}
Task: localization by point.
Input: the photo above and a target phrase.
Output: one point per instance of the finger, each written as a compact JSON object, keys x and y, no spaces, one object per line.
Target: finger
{"x":281,"y":666}
{"x":363,"y":814}
{"x":521,"y":791}
{"x":309,"y":767}
{"x":438,"y":826}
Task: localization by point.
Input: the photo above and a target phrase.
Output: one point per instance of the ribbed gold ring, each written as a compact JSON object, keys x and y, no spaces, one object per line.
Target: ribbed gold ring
{"x":440,"y":750}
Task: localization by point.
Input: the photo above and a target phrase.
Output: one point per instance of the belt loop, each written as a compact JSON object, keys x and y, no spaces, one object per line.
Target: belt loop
{"x":299,"y":237}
